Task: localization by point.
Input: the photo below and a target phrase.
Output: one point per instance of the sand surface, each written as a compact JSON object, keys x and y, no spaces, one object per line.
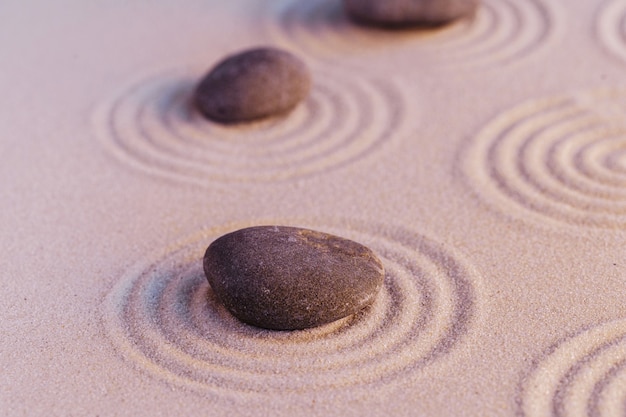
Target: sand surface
{"x":484,"y":162}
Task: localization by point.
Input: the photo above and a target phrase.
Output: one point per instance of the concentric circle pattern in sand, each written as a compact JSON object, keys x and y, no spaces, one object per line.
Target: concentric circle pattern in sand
{"x":561,"y":158}
{"x":611,"y":27}
{"x":164,"y":318}
{"x":153,"y":126}
{"x":500,"y":32}
{"x":584,"y":375}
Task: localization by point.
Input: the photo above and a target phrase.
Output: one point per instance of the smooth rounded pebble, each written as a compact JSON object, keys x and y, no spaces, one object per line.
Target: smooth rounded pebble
{"x":409,"y":12}
{"x":288,"y":278}
{"x":253,"y":84}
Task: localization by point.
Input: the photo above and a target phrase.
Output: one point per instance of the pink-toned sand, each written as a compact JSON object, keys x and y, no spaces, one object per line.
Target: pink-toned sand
{"x":484,"y":162}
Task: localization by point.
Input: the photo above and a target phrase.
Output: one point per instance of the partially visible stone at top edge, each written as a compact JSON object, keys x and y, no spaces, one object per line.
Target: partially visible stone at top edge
{"x":289,"y":278}
{"x":402,"y":13}
{"x":253,"y":84}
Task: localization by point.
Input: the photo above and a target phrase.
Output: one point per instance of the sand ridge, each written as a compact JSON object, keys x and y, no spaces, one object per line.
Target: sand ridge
{"x":501,"y":32}
{"x":153,"y":126}
{"x":560,"y":157}
{"x":158,"y":318}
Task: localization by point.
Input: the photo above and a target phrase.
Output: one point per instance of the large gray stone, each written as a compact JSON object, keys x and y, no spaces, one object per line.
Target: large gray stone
{"x":253,"y":84}
{"x":288,"y":278}
{"x":409,"y":12}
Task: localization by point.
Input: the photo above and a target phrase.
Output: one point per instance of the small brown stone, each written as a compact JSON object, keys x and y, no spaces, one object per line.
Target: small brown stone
{"x":400,"y":13}
{"x":253,"y":84}
{"x":288,"y":278}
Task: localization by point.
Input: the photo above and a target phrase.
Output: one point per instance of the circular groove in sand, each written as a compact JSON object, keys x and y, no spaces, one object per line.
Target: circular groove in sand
{"x":163,"y":317}
{"x":153,"y":127}
{"x":611,"y":27}
{"x":583,"y":375}
{"x":501,"y":31}
{"x":561,"y":158}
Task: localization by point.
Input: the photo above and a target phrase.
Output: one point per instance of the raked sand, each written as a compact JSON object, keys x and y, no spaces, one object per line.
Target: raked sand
{"x":484,"y":162}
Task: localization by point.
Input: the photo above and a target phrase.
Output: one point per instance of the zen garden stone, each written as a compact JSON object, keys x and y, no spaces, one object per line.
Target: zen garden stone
{"x":399,"y":13}
{"x":253,"y":84}
{"x":288,"y":278}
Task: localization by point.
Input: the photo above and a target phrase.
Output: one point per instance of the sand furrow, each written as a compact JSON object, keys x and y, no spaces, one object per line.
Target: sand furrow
{"x":152,"y":126}
{"x":582,"y":375}
{"x":163,"y":317}
{"x":560,"y":158}
{"x":500,"y":32}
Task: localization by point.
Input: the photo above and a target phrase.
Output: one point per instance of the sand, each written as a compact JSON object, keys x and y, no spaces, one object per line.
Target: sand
{"x":484,"y":162}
